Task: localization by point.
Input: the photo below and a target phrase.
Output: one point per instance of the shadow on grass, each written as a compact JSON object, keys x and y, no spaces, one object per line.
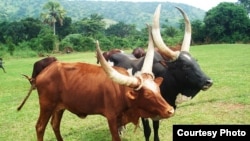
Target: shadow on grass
{"x":87,"y":134}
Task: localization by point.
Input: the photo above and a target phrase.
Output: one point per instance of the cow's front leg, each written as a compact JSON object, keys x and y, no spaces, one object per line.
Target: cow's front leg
{"x":156,"y":129}
{"x":113,"y":127}
{"x":146,"y":128}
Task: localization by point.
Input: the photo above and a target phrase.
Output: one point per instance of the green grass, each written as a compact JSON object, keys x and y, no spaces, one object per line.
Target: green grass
{"x":226,"y":102}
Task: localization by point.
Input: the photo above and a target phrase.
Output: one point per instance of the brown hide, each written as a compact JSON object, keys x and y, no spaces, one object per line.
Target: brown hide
{"x":85,"y":89}
{"x":138,"y":52}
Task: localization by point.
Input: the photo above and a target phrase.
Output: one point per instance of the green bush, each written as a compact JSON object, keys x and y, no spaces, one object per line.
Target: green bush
{"x":72,"y":40}
{"x":3,"y":51}
{"x":88,"y":44}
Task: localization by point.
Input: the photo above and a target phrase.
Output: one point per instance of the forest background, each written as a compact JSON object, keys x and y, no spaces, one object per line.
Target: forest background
{"x":36,"y":27}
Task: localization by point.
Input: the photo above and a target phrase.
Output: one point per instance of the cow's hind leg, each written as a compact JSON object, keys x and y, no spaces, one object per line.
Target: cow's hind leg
{"x":146,"y":128}
{"x":42,"y":122}
{"x":55,"y":123}
{"x":156,"y":129}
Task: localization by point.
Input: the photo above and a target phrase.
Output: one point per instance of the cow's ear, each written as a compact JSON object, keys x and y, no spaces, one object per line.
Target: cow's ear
{"x":131,"y":95}
{"x":158,"y":80}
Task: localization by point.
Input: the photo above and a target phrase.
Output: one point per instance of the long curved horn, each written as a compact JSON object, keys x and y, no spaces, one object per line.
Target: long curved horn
{"x":188,"y":31}
{"x":113,"y":74}
{"x":157,"y":36}
{"x":148,"y":61}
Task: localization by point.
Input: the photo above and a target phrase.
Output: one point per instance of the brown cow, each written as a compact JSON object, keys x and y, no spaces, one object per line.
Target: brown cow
{"x":138,"y":52}
{"x":88,"y":89}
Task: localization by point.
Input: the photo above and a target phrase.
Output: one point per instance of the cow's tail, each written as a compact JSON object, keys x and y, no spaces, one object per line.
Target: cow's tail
{"x":32,"y":87}
{"x":31,"y":80}
{"x":27,"y":96}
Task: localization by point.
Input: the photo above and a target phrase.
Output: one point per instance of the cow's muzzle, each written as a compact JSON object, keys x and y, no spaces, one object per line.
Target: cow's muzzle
{"x":167,"y":114}
{"x":207,"y":85}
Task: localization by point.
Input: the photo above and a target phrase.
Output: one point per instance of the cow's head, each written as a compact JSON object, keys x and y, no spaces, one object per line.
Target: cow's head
{"x":144,"y":97}
{"x":138,"y":52}
{"x":182,"y":66}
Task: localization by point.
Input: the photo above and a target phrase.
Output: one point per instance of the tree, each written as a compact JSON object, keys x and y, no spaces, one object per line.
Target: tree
{"x":198,"y":33}
{"x":171,"y":31}
{"x":53,"y":12}
{"x":11,"y":46}
{"x":15,"y":31}
{"x":227,"y":22}
{"x":120,"y":29}
{"x":126,"y":36}
{"x":65,"y":29}
{"x":91,"y":26}
{"x":246,"y":4}
{"x":32,"y":27}
{"x":47,"y":39}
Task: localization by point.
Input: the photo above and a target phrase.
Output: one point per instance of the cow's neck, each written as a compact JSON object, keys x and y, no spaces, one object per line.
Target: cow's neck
{"x":131,"y":115}
{"x":169,"y":89}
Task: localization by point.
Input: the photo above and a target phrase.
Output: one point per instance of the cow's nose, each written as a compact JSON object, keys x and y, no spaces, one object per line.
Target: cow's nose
{"x":208,"y":84}
{"x":171,"y":112}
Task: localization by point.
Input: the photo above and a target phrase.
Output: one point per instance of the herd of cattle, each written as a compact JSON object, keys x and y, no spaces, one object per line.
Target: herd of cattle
{"x":146,"y":85}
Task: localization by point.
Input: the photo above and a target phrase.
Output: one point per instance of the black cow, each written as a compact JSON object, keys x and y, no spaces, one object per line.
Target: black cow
{"x":137,"y":53}
{"x":182,"y":75}
{"x":127,"y":62}
{"x":107,"y":54}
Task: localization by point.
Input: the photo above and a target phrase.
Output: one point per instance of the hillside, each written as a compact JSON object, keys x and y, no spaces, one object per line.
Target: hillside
{"x":129,"y":12}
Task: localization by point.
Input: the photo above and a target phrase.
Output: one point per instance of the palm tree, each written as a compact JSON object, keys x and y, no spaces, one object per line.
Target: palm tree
{"x":53,"y":12}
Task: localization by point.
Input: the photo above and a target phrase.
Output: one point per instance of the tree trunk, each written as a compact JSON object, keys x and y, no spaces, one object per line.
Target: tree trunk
{"x":54,"y":28}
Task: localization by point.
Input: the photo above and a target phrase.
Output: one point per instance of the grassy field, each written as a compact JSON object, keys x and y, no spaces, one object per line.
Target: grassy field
{"x":226,"y":102}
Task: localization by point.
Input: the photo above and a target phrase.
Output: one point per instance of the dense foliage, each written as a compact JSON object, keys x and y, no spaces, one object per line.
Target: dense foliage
{"x":246,"y":4}
{"x":225,"y":23}
{"x":115,"y":11}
